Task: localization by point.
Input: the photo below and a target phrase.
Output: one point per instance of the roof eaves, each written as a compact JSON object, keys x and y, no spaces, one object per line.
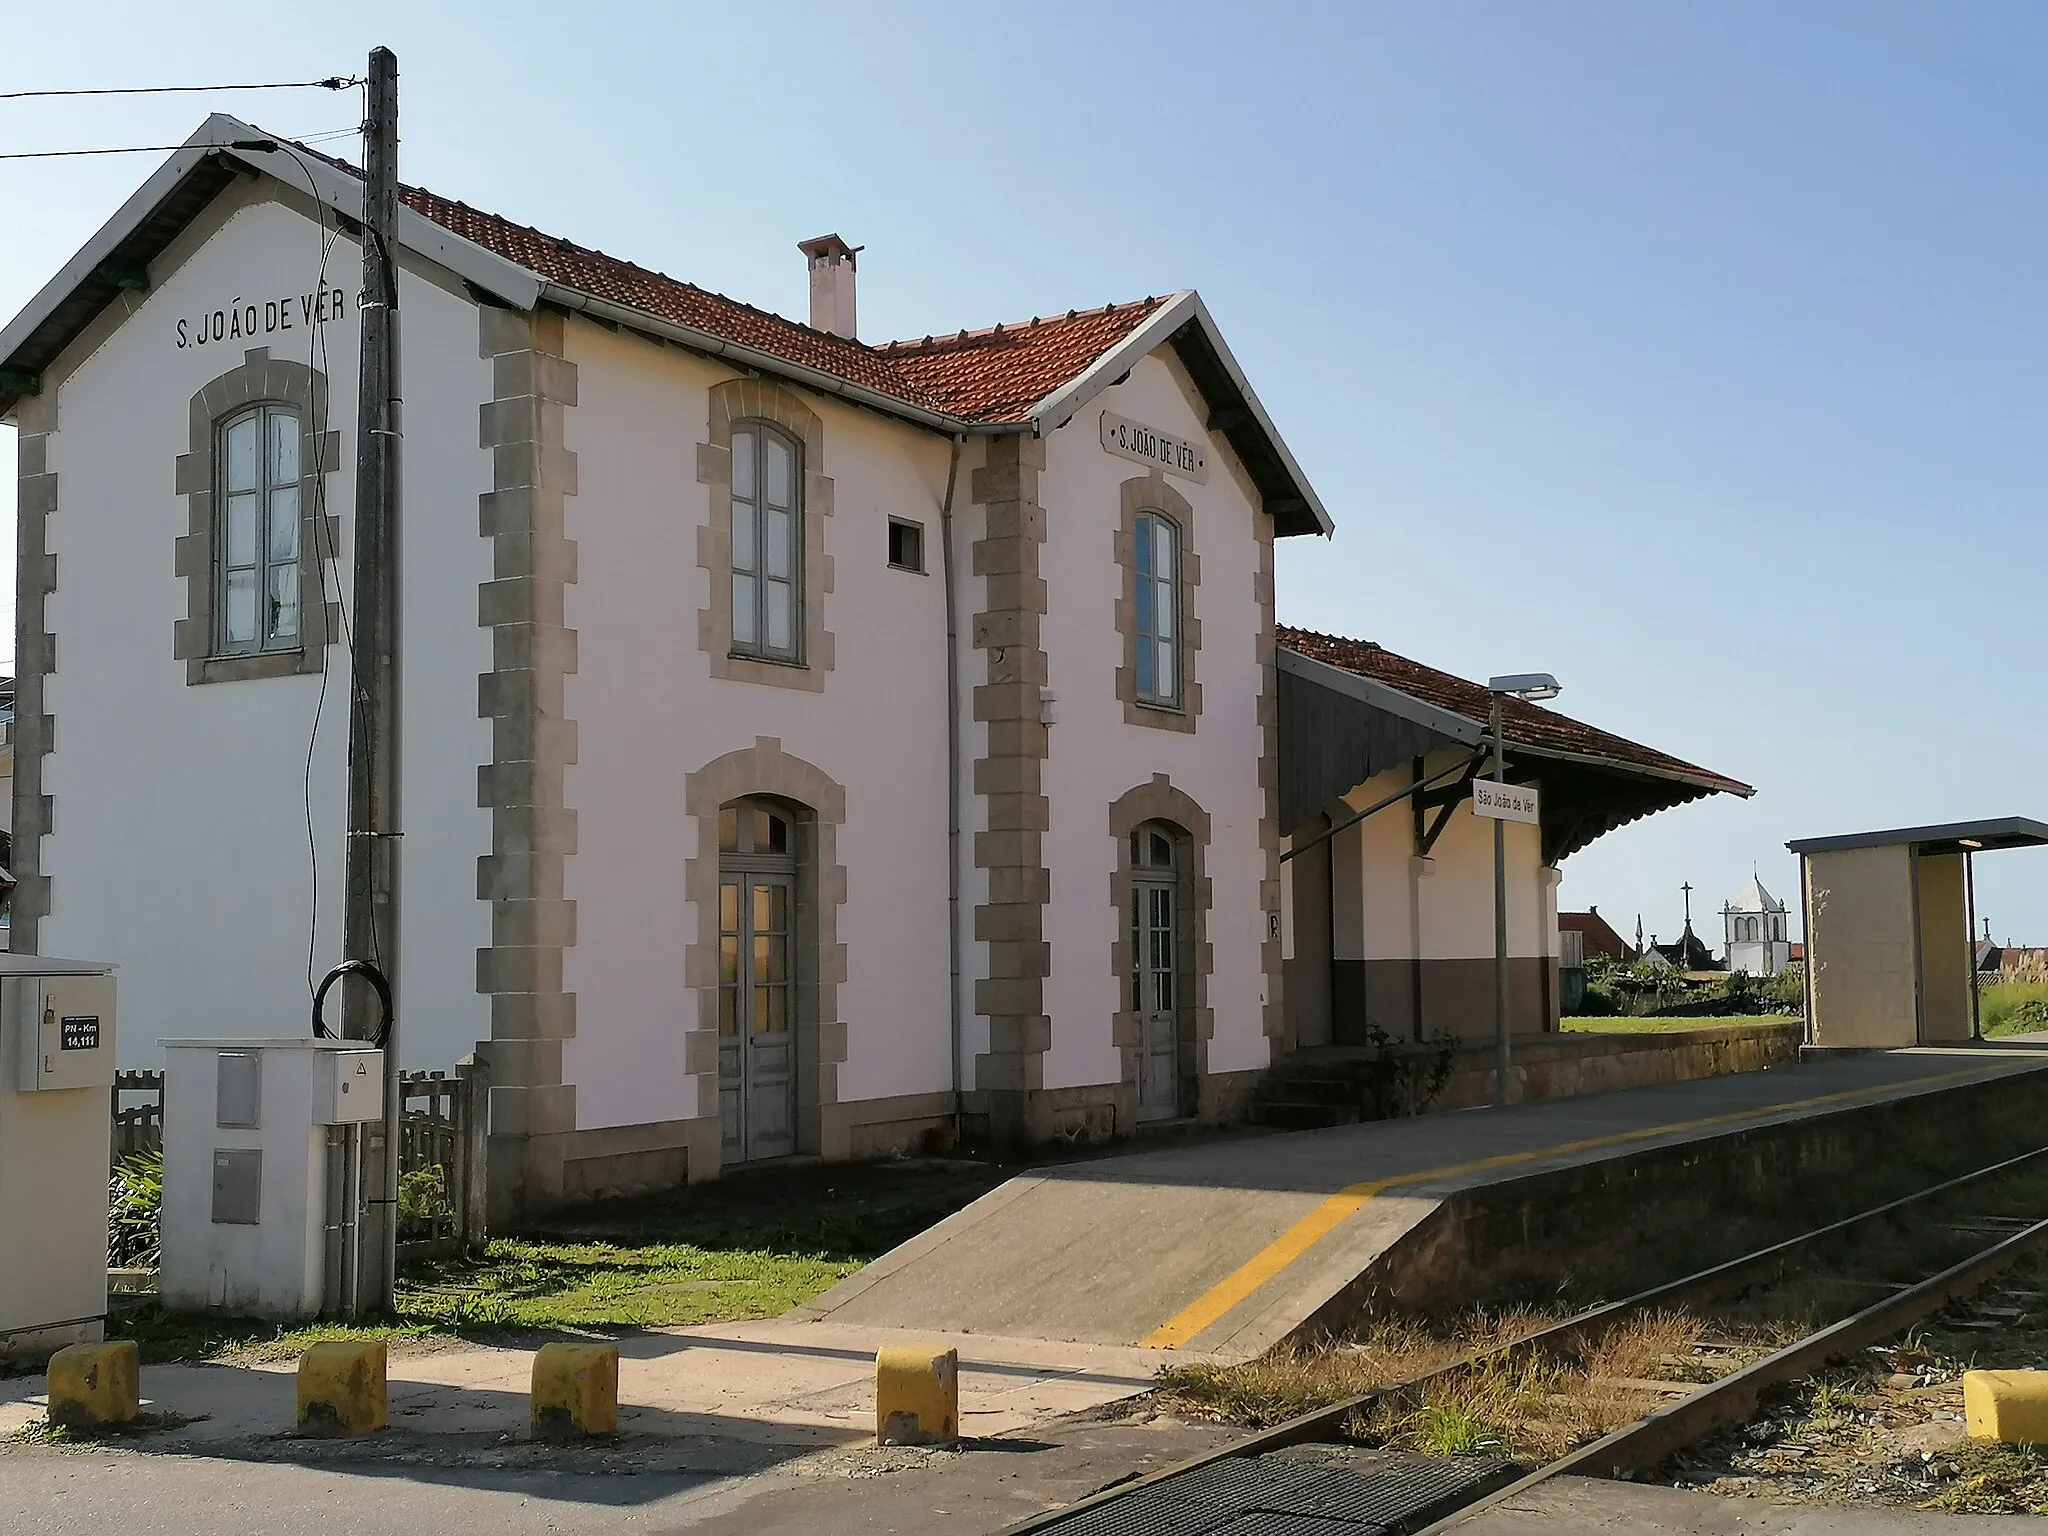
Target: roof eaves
{"x":626,"y":315}
{"x":222,"y":134}
{"x":1185,"y":307}
{"x":1707,"y":783}
{"x":104,"y":242}
{"x":1383,"y":696}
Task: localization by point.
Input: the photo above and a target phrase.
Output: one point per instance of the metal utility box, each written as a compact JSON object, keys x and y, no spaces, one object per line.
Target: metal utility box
{"x":348,"y":1087}
{"x":250,"y":1151}
{"x":56,"y":1123}
{"x":65,"y":1028}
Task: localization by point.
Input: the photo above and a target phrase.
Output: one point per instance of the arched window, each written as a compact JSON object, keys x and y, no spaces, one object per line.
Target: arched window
{"x":1158,"y":615}
{"x":256,"y":553}
{"x":767,"y":543}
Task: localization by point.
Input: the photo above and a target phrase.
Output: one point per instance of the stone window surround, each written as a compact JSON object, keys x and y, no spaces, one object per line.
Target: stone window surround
{"x":1150,"y":492}
{"x":732,"y":402}
{"x":765,"y":771}
{"x":1160,"y":801}
{"x":259,"y":379}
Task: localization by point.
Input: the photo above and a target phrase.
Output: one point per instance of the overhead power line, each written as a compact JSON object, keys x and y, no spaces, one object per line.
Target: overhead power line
{"x":159,"y":149}
{"x":331,"y":83}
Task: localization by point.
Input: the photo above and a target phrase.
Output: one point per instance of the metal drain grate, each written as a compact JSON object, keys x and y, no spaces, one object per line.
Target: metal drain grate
{"x":1339,"y":1494}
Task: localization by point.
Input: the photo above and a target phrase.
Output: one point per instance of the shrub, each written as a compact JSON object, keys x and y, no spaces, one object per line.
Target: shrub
{"x":135,"y":1208}
{"x":423,"y":1202}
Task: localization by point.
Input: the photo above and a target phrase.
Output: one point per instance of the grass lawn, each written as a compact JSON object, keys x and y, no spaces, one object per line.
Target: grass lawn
{"x":749,"y":1245}
{"x":1624,"y":1025}
{"x":2014,"y":1008}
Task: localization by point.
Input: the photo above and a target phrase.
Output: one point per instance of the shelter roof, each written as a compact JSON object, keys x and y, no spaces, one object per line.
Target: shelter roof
{"x":1350,"y":709}
{"x":1947,"y":837}
{"x":1031,"y":376}
{"x":1528,"y":727}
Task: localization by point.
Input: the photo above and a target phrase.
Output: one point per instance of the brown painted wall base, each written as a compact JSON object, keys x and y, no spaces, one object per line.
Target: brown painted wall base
{"x":1456,"y":998}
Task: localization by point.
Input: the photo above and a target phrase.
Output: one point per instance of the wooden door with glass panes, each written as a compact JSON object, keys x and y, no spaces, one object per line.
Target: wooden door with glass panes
{"x":756,"y":990}
{"x":1156,"y":970}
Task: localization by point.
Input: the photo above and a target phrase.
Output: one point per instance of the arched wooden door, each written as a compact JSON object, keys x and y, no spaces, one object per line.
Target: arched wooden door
{"x":1157,"y":967}
{"x":757,"y":870}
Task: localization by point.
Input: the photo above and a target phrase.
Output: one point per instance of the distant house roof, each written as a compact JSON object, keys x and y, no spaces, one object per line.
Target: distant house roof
{"x":1601,"y":939}
{"x":1689,"y":953}
{"x":1031,"y":376}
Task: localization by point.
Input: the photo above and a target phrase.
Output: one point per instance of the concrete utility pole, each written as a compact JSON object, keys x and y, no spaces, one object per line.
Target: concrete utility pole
{"x":370,"y":919}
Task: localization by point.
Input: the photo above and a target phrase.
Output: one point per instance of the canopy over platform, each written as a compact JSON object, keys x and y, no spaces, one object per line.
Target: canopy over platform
{"x":1949,"y":837}
{"x":1350,"y":709}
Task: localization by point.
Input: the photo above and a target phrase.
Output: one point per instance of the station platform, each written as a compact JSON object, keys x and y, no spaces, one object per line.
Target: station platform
{"x":1222,"y":1250}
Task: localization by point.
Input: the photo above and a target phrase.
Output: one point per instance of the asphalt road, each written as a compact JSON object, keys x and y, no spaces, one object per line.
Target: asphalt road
{"x":396,"y":1488}
{"x":399,"y":1488}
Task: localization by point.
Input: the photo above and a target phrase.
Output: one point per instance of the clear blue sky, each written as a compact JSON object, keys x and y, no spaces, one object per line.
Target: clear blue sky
{"x":1690,"y":352}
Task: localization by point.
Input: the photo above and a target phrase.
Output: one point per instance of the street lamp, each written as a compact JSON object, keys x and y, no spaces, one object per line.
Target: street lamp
{"x":1533,"y":687}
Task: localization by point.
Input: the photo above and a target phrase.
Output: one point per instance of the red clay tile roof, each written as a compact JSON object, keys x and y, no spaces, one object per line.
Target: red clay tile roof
{"x":1601,"y":939}
{"x":999,"y":374}
{"x":993,"y":376}
{"x":1527,"y":725}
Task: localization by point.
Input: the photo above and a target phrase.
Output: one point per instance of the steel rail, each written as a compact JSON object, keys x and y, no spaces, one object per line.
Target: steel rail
{"x":1734,"y":1397}
{"x":1719,"y":1280}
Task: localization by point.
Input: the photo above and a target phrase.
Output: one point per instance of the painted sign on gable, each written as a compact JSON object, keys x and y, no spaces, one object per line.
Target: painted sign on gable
{"x":1154,"y":449}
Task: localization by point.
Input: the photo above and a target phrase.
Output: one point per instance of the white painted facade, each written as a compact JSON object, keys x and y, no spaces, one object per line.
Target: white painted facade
{"x":175,"y":814}
{"x":195,"y":876}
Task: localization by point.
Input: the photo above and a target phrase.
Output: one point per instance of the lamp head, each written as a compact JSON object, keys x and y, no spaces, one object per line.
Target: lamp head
{"x":1533,"y":686}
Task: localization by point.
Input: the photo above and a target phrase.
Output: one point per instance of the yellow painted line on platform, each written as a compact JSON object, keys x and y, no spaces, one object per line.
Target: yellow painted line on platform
{"x":1340,"y":1207}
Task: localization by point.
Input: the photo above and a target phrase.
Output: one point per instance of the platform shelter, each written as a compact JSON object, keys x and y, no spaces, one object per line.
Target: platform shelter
{"x":1889,"y":918}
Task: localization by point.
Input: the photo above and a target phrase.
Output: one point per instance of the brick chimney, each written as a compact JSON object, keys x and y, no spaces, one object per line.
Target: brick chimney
{"x":832,"y":264}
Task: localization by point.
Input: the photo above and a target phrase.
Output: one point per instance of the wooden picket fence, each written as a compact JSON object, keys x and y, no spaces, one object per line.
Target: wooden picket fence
{"x":138,"y":1113}
{"x":442,"y":1157}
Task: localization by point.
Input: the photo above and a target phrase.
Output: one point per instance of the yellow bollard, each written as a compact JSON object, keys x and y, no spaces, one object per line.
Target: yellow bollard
{"x":2007,"y":1405}
{"x":575,"y":1391}
{"x":342,"y":1389}
{"x":917,"y":1396}
{"x":95,"y":1386}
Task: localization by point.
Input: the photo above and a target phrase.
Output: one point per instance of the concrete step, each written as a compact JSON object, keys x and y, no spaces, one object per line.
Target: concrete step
{"x":1287,"y":1115}
{"x":1310,"y":1090}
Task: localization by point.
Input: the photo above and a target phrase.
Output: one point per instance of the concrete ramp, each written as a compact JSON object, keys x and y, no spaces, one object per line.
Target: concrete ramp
{"x":1112,"y":1251}
{"x":1224,"y":1249}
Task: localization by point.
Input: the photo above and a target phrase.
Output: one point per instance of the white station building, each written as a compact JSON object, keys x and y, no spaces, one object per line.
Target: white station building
{"x":708,"y":618}
{"x":809,"y":746}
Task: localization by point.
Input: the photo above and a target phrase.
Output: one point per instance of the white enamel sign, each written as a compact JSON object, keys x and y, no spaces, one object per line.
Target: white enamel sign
{"x":1505,"y":802}
{"x":1145,"y":445}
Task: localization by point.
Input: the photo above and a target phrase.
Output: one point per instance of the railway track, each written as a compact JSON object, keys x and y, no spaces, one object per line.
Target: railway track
{"x":1307,"y":1477}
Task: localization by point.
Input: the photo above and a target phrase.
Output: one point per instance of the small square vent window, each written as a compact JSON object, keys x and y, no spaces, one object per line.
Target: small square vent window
{"x":906,"y":545}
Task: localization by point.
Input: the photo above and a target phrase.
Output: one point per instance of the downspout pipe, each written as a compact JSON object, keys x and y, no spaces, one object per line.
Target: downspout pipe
{"x":955,"y":1016}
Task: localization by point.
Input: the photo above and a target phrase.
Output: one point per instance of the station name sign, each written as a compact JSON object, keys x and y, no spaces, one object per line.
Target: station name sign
{"x":1154,"y":449}
{"x":245,"y":317}
{"x":1506,"y":802}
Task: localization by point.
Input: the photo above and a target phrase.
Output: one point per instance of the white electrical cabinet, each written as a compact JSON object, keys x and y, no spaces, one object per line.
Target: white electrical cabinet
{"x":249,"y":1159}
{"x":56,"y":1121}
